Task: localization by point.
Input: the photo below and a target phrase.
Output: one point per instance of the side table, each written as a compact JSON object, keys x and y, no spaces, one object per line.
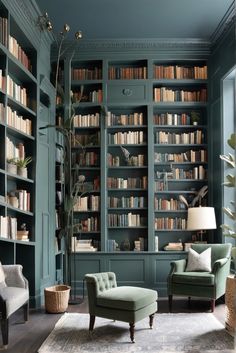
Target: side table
{"x":230,"y":305}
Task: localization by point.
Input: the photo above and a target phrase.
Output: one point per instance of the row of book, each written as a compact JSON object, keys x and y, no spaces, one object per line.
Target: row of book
{"x":129,"y":183}
{"x":86,"y":159}
{"x":90,"y":224}
{"x":127,"y":73}
{"x":194,"y":137}
{"x":8,"y":227}
{"x":168,"y":204}
{"x":20,"y":200}
{"x":180,"y":72}
{"x":163,"y":94}
{"x":89,"y":120}
{"x":4,"y":31}
{"x":94,"y":96}
{"x":170,"y":223}
{"x":172,"y":119}
{"x":17,"y":51}
{"x":126,"y":220}
{"x":135,"y":119}
{"x":116,"y":161}
{"x":18,"y":122}
{"x":127,"y":137}
{"x":14,"y":151}
{"x":94,"y":73}
{"x":184,"y":157}
{"x":2,"y":113}
{"x":86,"y":139}
{"x":127,"y":202}
{"x":87,"y":203}
{"x":17,"y":92}
{"x":197,"y":173}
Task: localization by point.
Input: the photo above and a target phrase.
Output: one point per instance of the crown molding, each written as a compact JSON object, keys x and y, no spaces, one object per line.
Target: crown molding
{"x":227,"y":21}
{"x":150,"y":46}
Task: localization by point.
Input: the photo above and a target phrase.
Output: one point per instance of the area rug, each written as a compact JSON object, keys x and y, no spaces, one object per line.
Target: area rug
{"x":192,"y":333}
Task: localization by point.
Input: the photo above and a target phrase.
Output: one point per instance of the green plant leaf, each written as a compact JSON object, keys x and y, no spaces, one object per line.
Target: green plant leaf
{"x":231,"y":214}
{"x":232,"y":141}
{"x":229,"y":159}
{"x":230,"y":181}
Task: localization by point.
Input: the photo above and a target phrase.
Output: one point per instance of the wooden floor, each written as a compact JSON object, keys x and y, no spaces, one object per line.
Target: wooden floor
{"x":28,"y":337}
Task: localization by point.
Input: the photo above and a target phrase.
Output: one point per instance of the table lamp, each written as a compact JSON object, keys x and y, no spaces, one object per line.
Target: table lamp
{"x":201,"y":219}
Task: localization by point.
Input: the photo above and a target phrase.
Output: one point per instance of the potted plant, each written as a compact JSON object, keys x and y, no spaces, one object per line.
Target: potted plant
{"x":195,"y":117}
{"x":22,"y":166}
{"x":229,"y":230}
{"x":11,"y":165}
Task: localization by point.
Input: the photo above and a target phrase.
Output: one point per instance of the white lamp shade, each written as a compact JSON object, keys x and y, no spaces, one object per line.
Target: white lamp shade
{"x":200,"y":218}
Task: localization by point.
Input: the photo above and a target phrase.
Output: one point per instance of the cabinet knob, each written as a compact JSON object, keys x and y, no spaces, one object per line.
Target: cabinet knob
{"x":127,"y":92}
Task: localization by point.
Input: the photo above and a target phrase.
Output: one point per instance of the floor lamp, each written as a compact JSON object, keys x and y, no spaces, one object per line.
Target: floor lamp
{"x":201,"y":219}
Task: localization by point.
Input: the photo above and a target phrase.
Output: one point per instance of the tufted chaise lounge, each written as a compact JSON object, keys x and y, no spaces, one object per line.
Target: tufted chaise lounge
{"x":124,"y":303}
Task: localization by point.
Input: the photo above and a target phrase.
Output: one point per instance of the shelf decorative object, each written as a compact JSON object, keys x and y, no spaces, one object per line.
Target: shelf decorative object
{"x":22,"y":166}
{"x":230,"y":231}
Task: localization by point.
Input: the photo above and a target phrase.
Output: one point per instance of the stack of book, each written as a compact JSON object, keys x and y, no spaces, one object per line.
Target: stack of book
{"x":174,"y":246}
{"x":82,"y":245}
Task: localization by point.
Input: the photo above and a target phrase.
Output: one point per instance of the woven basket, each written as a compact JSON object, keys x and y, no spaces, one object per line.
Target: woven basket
{"x":230,"y":304}
{"x":56,"y":298}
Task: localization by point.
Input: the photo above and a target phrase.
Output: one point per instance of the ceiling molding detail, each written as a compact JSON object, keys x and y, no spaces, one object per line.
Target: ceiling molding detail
{"x":158,"y":46}
{"x":226,"y":22}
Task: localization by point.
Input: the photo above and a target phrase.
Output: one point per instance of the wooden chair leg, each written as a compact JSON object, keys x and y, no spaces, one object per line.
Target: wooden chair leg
{"x":131,"y":330}
{"x":91,"y":322}
{"x":170,"y":302}
{"x":151,"y":317}
{"x":26,"y":311}
{"x":213,"y":303}
{"x":5,"y":330}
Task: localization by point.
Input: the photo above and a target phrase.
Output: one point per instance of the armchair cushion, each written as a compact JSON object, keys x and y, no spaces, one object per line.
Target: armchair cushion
{"x":14,"y":297}
{"x":199,"y":261}
{"x":2,"y":277}
{"x":127,"y":298}
{"x":195,"y":278}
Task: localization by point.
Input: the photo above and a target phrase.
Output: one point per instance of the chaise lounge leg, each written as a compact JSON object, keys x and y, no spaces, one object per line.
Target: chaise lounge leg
{"x":213,"y":302}
{"x":131,"y":330}
{"x":91,"y":322}
{"x":4,"y":328}
{"x":26,"y":311}
{"x":170,"y":302}
{"x":151,"y":317}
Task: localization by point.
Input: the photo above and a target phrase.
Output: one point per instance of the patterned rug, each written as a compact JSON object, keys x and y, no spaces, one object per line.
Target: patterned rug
{"x":192,"y":333}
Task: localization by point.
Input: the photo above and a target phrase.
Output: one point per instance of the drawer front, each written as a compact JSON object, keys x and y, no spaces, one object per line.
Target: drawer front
{"x":126,"y":93}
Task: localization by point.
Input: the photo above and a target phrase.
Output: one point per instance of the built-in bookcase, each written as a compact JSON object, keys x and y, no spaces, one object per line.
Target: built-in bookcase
{"x":154,"y":138}
{"x":18,"y":111}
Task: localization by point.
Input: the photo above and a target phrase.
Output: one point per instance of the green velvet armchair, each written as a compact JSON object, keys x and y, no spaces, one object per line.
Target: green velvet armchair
{"x":124,"y":303}
{"x":202,"y":284}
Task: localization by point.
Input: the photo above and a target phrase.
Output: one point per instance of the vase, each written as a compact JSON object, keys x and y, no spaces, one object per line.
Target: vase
{"x":22,"y":171}
{"x":11,"y":168}
{"x":13,"y":200}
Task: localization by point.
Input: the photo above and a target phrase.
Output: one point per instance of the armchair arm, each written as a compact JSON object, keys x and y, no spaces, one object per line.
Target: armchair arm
{"x":15,"y":277}
{"x":218,"y":264}
{"x":178,"y":266}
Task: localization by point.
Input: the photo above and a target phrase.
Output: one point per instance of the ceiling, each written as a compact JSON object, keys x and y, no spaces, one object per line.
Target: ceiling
{"x":118,"y":19}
